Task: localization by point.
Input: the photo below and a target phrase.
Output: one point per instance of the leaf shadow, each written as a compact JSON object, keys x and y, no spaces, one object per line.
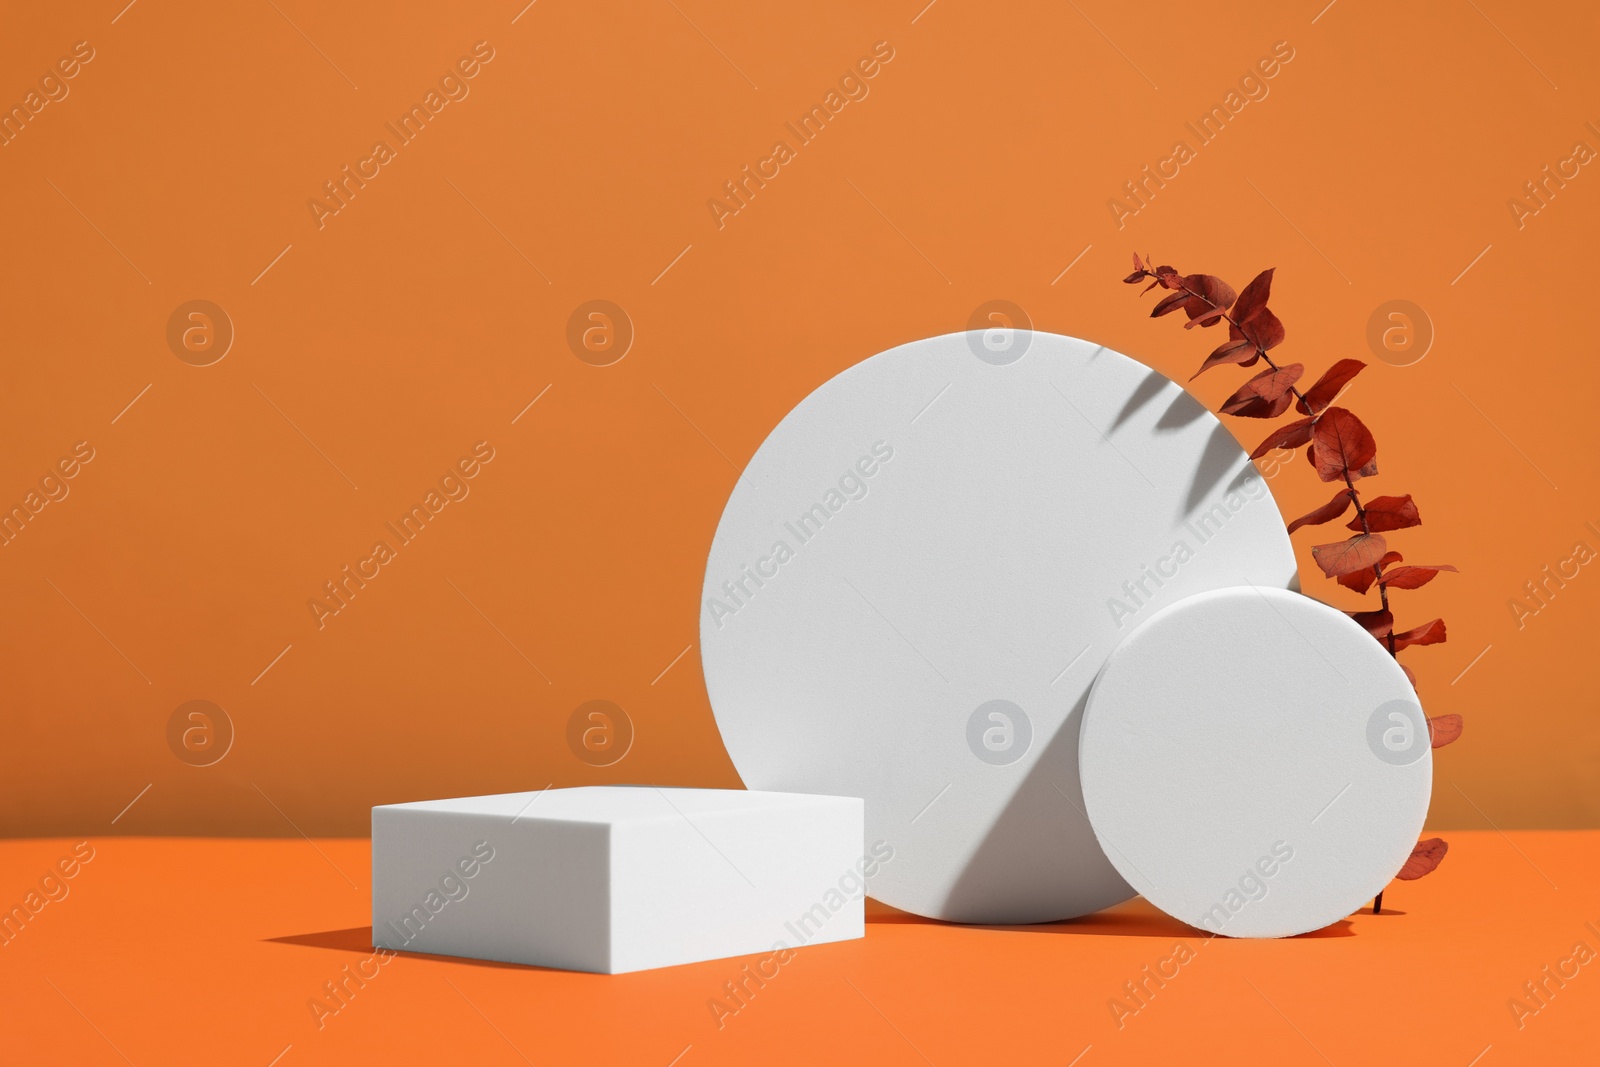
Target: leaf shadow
{"x":1183,"y":410}
{"x":1147,"y":390}
{"x":1220,"y":454}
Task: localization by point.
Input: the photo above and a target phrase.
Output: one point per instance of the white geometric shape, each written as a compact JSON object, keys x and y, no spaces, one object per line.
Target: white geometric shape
{"x":921,"y":570}
{"x":1254,"y":763}
{"x":618,"y":878}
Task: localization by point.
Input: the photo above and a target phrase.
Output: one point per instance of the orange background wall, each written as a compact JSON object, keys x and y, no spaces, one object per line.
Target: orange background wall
{"x":424,"y":317}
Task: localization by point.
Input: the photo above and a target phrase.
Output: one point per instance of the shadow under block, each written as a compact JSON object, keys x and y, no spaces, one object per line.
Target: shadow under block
{"x":617,"y":878}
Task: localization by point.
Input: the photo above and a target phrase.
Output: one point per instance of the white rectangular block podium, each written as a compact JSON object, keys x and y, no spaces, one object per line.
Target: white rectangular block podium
{"x":617,"y":878}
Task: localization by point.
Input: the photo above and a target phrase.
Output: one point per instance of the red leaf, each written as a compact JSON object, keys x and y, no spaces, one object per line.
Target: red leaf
{"x":1378,"y":623}
{"x":1291,"y":435}
{"x":1235,"y":350}
{"x":1254,"y":296}
{"x":1361,"y":581}
{"x":1342,"y":557}
{"x":1414,"y":577}
{"x":1321,"y":395}
{"x":1258,"y":408}
{"x":1138,"y":264}
{"x":1429,"y":633}
{"x":1274,"y":383}
{"x":1444,"y":729}
{"x":1342,"y":444}
{"x":1326,"y":513}
{"x":1171,"y":302}
{"x":1424,"y":859}
{"x":1266,"y":396}
{"x":1390,"y":513}
{"x":1210,"y":296}
{"x":1208,"y":316}
{"x":1135,"y":277}
{"x":1262,"y":329}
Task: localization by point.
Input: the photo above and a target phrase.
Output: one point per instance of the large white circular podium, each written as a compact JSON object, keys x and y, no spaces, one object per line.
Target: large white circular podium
{"x":918,"y":576}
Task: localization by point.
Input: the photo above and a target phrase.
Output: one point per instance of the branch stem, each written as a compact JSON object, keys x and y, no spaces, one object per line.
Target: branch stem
{"x":1377,"y":568}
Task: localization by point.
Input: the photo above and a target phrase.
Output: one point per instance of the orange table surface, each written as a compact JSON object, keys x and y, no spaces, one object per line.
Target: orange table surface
{"x":177,"y":951}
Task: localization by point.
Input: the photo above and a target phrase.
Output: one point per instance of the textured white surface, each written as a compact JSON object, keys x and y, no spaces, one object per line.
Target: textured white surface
{"x":618,"y":878}
{"x":1254,"y":763}
{"x":979,"y":529}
